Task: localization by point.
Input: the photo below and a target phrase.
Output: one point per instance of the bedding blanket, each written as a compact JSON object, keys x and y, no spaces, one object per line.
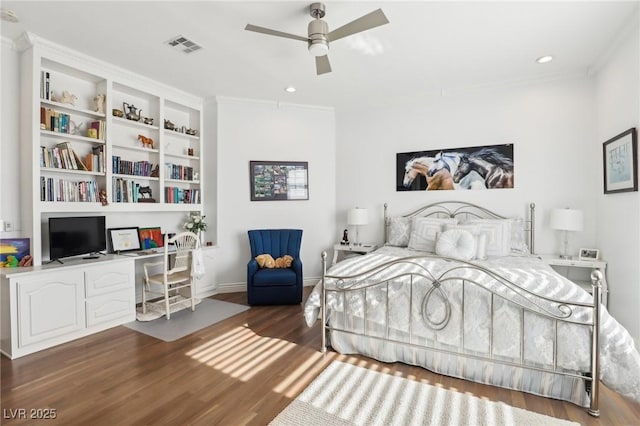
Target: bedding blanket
{"x":619,"y":359}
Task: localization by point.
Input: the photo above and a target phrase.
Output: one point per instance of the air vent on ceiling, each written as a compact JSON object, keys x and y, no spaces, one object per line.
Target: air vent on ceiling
{"x":183,"y":44}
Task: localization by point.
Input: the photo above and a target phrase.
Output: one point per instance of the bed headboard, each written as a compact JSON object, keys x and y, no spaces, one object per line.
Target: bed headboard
{"x":463,"y":209}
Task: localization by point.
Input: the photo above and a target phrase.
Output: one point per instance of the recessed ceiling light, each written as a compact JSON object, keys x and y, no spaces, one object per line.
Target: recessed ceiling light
{"x":290,"y":89}
{"x":8,"y":15}
{"x":544,"y":59}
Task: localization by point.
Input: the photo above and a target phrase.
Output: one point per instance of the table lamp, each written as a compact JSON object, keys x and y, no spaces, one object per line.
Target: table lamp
{"x":566,"y":220}
{"x":357,"y":217}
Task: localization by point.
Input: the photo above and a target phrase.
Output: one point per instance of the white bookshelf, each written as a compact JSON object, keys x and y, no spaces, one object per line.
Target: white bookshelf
{"x":85,"y":77}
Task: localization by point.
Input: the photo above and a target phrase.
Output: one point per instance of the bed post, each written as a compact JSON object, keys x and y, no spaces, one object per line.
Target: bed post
{"x":323,"y":318}
{"x":386,"y":223}
{"x":532,"y":225}
{"x":596,"y":281}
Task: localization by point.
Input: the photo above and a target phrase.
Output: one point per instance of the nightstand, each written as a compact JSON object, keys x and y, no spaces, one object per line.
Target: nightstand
{"x":565,"y":267}
{"x":351,"y":248}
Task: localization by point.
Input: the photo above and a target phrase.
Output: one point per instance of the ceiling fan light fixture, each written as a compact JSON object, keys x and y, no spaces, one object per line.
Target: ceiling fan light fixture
{"x":290,"y":89}
{"x":544,"y":59}
{"x":318,"y":48}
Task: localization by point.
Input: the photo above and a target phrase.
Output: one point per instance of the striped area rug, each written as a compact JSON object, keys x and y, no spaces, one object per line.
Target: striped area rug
{"x":344,"y":394}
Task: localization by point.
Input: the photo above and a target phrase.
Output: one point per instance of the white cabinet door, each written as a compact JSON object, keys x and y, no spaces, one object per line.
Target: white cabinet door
{"x":111,"y":307}
{"x":108,"y":278}
{"x":50,"y":305}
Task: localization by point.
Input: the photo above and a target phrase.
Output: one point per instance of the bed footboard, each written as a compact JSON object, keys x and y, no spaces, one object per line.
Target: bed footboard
{"x":433,"y":296}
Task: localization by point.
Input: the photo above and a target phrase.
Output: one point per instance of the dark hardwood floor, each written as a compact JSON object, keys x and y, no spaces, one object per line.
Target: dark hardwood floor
{"x":244,"y":370}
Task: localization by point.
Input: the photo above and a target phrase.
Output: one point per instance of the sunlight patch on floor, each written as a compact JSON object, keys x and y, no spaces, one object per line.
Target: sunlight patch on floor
{"x":240,"y":352}
{"x":295,"y":382}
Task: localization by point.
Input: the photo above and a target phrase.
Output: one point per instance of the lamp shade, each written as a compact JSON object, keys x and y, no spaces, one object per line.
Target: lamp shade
{"x":358,"y":217}
{"x":566,"y":219}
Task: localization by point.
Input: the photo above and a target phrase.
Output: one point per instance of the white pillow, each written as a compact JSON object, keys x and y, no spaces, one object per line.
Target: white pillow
{"x":424,"y":232}
{"x":518,"y":244}
{"x":456,"y":243}
{"x":399,"y":231}
{"x":478,"y":235}
{"x":498,"y":235}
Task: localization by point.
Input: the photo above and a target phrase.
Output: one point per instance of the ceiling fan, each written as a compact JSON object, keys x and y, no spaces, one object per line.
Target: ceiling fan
{"x":319,"y":36}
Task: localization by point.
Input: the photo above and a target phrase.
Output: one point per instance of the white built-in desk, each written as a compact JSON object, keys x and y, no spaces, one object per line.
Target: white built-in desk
{"x":43,"y":306}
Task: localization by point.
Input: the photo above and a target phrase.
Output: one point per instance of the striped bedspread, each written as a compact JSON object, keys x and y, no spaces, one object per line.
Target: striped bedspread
{"x":481,"y":332}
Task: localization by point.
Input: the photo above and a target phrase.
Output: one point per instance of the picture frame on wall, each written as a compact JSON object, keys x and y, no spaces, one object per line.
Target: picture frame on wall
{"x":124,"y":239}
{"x":620,"y":159}
{"x":588,"y":254}
{"x":279,"y":180}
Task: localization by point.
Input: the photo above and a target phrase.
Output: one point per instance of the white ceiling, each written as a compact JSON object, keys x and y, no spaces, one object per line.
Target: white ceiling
{"x":427,"y":48}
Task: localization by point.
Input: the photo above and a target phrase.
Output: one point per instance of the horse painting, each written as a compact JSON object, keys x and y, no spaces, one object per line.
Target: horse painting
{"x":415,"y":167}
{"x":442,"y":179}
{"x":495,"y":168}
{"x":445,"y":160}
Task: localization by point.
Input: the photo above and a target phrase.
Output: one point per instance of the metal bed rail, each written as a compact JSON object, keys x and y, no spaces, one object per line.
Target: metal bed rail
{"x":409,"y":270}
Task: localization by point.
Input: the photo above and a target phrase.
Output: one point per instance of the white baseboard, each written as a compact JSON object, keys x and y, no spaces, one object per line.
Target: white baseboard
{"x":241,"y":287}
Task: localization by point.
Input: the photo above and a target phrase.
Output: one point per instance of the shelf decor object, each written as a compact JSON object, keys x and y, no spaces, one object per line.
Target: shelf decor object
{"x":620,"y":159}
{"x":566,"y":220}
{"x":358,"y":217}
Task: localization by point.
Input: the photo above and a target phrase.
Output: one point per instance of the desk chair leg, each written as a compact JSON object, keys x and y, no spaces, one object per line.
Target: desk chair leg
{"x":166,"y":301}
{"x":144,"y":299}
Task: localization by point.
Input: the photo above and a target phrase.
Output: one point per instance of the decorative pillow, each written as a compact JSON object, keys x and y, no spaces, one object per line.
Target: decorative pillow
{"x":456,"y":243}
{"x":399,"y":231}
{"x":498,"y":235}
{"x":265,"y":261}
{"x":478,"y":235}
{"x":424,"y":232}
{"x":518,"y":244}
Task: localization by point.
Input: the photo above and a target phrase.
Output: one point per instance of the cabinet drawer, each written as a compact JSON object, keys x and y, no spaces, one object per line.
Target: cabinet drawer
{"x":50,"y":305}
{"x":110,"y":307}
{"x":108,"y":278}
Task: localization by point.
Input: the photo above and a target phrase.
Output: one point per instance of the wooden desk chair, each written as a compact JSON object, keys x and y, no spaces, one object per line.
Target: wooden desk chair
{"x":173,"y":278}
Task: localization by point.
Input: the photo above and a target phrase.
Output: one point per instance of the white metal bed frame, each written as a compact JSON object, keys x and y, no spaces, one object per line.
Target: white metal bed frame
{"x":525,"y":300}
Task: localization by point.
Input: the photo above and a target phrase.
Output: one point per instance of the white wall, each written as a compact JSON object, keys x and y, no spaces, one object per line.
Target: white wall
{"x":551,"y":125}
{"x":255,"y":130}
{"x":9,"y":140}
{"x":618,"y":230}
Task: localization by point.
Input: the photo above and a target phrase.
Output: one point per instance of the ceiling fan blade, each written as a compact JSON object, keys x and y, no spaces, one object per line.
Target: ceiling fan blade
{"x":268,"y":31}
{"x":366,"y":22}
{"x":322,"y":64}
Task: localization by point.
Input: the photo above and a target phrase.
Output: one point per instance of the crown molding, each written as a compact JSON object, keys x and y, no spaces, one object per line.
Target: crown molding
{"x":99,"y":67}
{"x":8,"y":43}
{"x":630,"y":26}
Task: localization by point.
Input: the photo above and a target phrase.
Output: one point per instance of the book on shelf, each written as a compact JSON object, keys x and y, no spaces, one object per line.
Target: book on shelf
{"x":125,"y":191}
{"x":99,"y":126}
{"x":175,"y":195}
{"x":64,"y":190}
{"x":45,"y":85}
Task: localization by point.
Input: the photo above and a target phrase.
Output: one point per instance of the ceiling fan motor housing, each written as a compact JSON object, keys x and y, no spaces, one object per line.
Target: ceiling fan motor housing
{"x":318,"y":43}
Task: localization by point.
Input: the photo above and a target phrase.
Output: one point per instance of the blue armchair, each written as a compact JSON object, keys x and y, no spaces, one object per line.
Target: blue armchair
{"x":274,"y":286}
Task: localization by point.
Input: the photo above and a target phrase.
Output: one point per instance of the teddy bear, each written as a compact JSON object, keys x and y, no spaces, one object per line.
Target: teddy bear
{"x":284,"y":261}
{"x":265,"y":261}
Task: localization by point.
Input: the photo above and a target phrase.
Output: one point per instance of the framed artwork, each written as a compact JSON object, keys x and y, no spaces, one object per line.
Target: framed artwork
{"x":279,"y":180}
{"x":588,"y":254}
{"x":478,"y":167}
{"x":124,"y":239}
{"x":151,"y":238}
{"x":620,"y":159}
{"x":12,"y":250}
